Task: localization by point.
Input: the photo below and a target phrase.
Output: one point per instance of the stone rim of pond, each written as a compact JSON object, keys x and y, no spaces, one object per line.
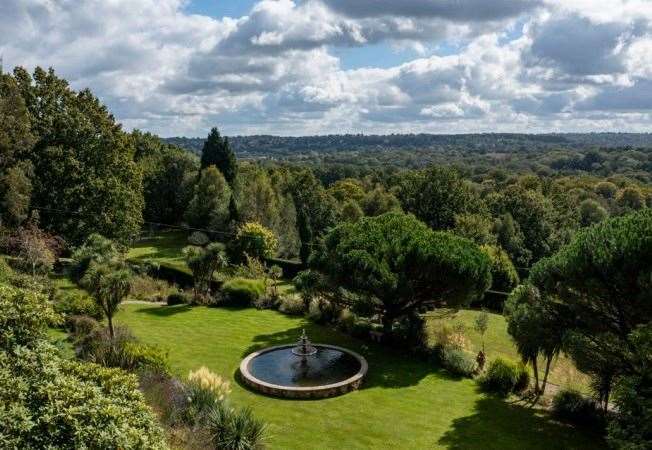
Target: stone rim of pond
{"x":304,"y":392}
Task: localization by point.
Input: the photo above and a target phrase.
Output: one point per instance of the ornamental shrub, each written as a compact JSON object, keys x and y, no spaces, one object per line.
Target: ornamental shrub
{"x":50,"y":402}
{"x":242,"y":291}
{"x":523,"y":379}
{"x":573,"y":407}
{"x":458,"y":362}
{"x":72,"y":304}
{"x":23,"y":317}
{"x":179,"y":298}
{"x":501,"y":377}
{"x":235,"y":429}
{"x":254,"y":240}
{"x":292,"y":305}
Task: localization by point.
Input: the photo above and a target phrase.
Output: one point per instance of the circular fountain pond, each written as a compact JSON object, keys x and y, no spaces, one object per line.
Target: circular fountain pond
{"x":304,"y":370}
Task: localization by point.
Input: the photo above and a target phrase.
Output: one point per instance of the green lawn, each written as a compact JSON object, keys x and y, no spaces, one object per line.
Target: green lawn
{"x":164,"y":248}
{"x":499,"y":344}
{"x":404,"y":404}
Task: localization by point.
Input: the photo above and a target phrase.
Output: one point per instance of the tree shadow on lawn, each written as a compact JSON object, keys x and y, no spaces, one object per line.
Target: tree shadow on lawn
{"x":497,"y":424}
{"x":164,"y":311}
{"x":388,"y":367}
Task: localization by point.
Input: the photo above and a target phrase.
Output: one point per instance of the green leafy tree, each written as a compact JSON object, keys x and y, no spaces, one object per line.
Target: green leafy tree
{"x":630,"y":199}
{"x":631,"y":428}
{"x":217,"y":152}
{"x":34,"y":252}
{"x":209,"y":206}
{"x":109,"y":284}
{"x":606,"y":189}
{"x":512,"y":240}
{"x":254,"y":240}
{"x":379,"y":201}
{"x":535,"y":328}
{"x":346,"y":190}
{"x":316,"y":210}
{"x":258,"y":201}
{"x":204,"y":262}
{"x":534,"y":214}
{"x":602,"y":280}
{"x":351,"y":211}
{"x":84,"y":168}
{"x":476,"y":227}
{"x":481,"y":324}
{"x":16,"y":139}
{"x":601,"y":283}
{"x":96,"y":248}
{"x":592,"y":212}
{"x":51,"y":402}
{"x":393,"y":264}
{"x":169,"y":175}
{"x":436,"y":195}
{"x":15,"y":193}
{"x":503,"y":274}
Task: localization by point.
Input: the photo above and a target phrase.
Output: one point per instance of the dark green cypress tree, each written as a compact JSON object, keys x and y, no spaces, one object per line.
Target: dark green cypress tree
{"x":217,"y":152}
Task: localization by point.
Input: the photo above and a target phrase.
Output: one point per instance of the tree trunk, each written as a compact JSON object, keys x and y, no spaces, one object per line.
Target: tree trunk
{"x":535,"y":366}
{"x":545,"y":375}
{"x":111,"y":333}
{"x":388,"y":321}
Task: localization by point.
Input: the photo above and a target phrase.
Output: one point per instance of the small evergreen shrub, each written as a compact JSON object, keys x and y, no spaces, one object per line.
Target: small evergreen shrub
{"x":179,"y":298}
{"x":235,"y":429}
{"x":198,"y":238}
{"x":123,"y":351}
{"x":572,"y":407}
{"x":501,"y":377}
{"x":523,"y":379}
{"x":292,"y":305}
{"x":5,"y":270}
{"x":242,"y":291}
{"x":71,"y":304}
{"x":146,"y":288}
{"x":458,"y":362}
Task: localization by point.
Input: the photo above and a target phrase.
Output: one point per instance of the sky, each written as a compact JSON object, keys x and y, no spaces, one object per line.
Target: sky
{"x":303,"y":67}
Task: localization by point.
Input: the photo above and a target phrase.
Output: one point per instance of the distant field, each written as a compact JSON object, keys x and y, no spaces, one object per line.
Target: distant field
{"x":164,"y":248}
{"x":405,"y":403}
{"x":498,"y":343}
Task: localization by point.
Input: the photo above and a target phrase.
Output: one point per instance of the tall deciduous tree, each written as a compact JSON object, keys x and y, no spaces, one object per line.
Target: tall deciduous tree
{"x":394,"y":263}
{"x":436,"y":195}
{"x":83,"y":162}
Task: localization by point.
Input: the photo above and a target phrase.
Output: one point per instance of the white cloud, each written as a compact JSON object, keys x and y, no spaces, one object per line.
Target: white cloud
{"x":526,"y":65}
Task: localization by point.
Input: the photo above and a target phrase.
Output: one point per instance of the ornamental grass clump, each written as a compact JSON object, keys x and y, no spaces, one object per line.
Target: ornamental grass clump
{"x":209,"y":381}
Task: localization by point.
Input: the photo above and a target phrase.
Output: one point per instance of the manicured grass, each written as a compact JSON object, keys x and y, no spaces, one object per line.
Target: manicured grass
{"x":404,"y":403}
{"x":499,"y":344}
{"x":164,"y":248}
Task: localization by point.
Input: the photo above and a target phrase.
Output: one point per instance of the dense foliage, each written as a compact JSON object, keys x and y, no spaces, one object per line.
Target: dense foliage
{"x":48,"y":401}
{"x":394,"y":263}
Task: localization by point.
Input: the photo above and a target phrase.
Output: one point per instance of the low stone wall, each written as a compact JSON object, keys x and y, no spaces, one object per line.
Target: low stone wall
{"x":313,"y":392}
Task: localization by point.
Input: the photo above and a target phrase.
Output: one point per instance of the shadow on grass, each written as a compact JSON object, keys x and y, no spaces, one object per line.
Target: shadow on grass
{"x":388,"y":368}
{"x":164,"y":311}
{"x":497,"y":424}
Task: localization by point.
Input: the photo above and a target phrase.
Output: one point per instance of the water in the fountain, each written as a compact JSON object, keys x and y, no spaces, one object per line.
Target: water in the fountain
{"x":304,"y":365}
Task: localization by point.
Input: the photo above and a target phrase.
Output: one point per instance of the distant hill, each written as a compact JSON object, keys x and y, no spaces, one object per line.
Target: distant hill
{"x":264,"y":146}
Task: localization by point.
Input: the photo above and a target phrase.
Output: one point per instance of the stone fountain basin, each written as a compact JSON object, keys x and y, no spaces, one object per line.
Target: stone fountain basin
{"x":332,"y":389}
